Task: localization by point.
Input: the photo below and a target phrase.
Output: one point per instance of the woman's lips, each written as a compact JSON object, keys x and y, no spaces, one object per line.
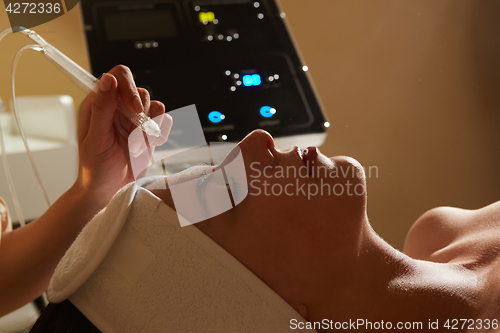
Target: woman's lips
{"x":297,"y":151}
{"x":309,"y":156}
{"x":271,"y":147}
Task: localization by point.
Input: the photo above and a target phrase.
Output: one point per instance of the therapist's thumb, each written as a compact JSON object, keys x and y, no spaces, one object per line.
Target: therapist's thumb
{"x":104,"y":105}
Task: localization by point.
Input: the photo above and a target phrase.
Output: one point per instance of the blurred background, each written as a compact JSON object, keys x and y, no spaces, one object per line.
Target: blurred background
{"x":410,"y":87}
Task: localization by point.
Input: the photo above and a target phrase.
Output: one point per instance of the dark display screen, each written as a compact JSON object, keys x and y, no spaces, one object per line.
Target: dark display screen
{"x":139,"y":25}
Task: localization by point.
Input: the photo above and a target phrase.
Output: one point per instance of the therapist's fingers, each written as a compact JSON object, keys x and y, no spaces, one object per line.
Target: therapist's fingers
{"x":127,"y":89}
{"x":138,"y":141}
{"x":141,"y":146}
{"x":156,"y":108}
{"x":85,"y":112}
{"x":103,"y":106}
{"x":122,"y":124}
{"x":146,"y":100}
{"x":164,"y":122}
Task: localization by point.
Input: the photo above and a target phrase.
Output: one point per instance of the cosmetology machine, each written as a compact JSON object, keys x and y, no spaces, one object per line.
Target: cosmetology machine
{"x":234,"y":59}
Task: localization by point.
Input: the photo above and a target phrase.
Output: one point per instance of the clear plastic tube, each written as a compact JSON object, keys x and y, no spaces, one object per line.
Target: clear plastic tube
{"x":16,"y":117}
{"x":5,"y":162}
{"x":12,"y":189}
{"x":87,"y":82}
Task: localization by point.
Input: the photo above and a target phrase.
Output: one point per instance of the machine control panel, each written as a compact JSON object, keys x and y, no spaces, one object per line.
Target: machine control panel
{"x":233,"y":59}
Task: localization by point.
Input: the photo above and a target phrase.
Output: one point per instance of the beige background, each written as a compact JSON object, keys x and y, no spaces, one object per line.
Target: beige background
{"x":409,"y":86}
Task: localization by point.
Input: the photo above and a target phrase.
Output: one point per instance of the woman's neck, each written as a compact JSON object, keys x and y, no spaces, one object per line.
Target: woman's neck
{"x":385,"y":284}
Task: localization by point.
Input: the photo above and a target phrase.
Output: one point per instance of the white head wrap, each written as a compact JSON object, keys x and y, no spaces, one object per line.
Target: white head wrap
{"x":134,"y":269}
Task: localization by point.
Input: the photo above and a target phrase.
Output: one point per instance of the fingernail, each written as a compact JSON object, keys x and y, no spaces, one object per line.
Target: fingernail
{"x":138,"y":104}
{"x":105,"y":83}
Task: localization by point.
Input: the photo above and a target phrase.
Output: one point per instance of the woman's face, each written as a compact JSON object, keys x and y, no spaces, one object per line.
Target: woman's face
{"x":301,"y":206}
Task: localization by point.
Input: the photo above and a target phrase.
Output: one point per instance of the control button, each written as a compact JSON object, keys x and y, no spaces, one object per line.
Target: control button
{"x":138,"y":45}
{"x":155,"y":44}
{"x":267,"y":111}
{"x":216,"y":117}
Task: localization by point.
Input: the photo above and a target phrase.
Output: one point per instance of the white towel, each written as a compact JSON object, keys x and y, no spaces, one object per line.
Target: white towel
{"x":134,"y":269}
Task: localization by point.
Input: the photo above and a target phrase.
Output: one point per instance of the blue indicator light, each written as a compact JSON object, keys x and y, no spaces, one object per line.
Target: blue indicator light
{"x":215,"y":117}
{"x":247,"y":80}
{"x":267,"y":111}
{"x":256,"y":79}
{"x":251,"y":80}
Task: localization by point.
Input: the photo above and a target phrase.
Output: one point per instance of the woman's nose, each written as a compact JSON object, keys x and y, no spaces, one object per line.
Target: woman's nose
{"x":255,"y":147}
{"x":255,"y":140}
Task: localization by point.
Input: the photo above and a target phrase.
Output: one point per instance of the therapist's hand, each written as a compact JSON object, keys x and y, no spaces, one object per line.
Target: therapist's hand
{"x":103,"y":148}
{"x":29,"y":255}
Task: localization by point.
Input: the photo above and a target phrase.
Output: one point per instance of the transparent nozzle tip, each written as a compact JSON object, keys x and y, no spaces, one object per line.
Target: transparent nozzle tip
{"x":151,"y":128}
